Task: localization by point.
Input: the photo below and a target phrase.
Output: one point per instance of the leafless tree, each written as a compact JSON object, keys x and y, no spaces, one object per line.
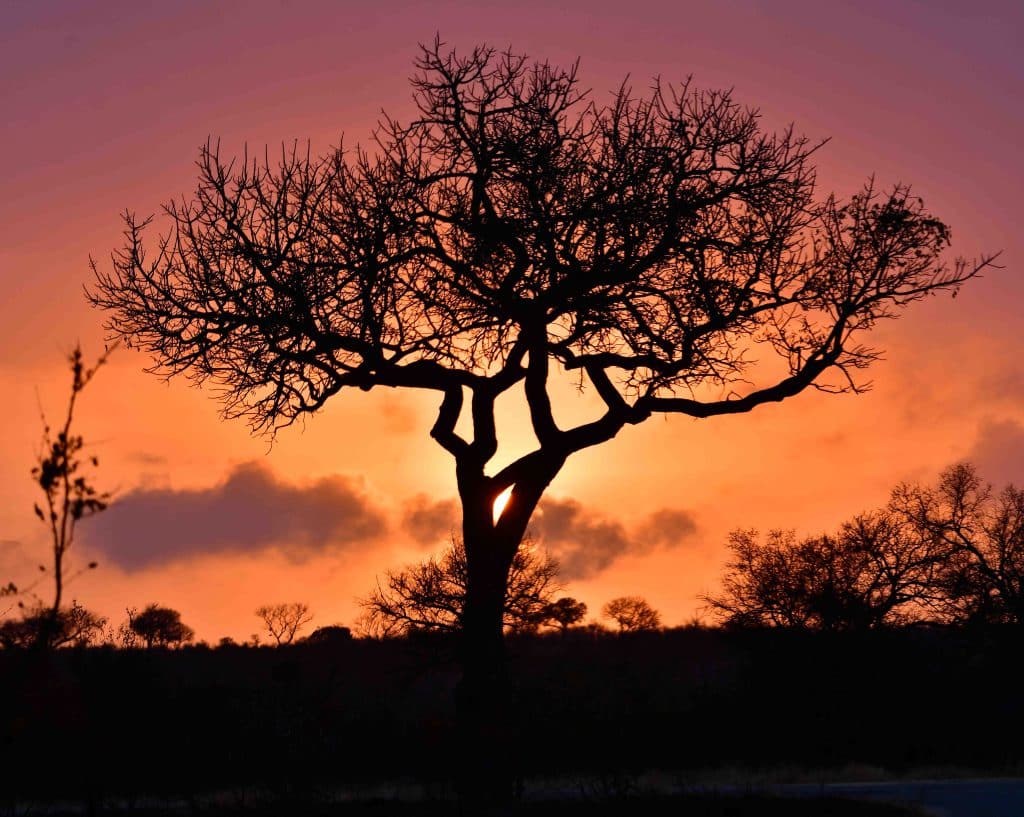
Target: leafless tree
{"x":69,"y":493}
{"x":982,"y":531}
{"x":876,"y":571}
{"x":431,"y":595}
{"x":283,"y":621}
{"x":660,"y":248}
{"x":632,"y":614}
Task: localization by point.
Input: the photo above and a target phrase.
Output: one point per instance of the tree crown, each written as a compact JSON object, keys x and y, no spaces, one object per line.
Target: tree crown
{"x":648,"y":246}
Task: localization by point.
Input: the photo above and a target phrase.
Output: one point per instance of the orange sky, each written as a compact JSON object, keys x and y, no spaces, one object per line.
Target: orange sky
{"x":105,"y":108}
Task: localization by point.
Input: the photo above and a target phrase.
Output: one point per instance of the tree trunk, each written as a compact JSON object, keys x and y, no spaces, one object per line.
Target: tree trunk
{"x":483,"y":694}
{"x":484,"y":705}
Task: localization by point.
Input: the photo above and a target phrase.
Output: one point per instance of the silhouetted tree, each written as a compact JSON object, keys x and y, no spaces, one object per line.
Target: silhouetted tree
{"x":430,"y":596}
{"x":283,"y":621}
{"x":514,"y":232}
{"x":69,"y":493}
{"x":331,"y":634}
{"x":632,"y":614}
{"x":565,"y":612}
{"x":877,"y":570}
{"x":160,"y":627}
{"x":74,"y":626}
{"x":981,"y":532}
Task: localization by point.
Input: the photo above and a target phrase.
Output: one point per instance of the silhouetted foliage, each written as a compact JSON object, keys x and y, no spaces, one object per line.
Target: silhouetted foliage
{"x":632,"y":614}
{"x":565,"y":612}
{"x":69,"y":493}
{"x":159,"y":626}
{"x":431,"y":596}
{"x":981,"y":532}
{"x":283,"y":621}
{"x":331,"y":634}
{"x":515,"y":233}
{"x":73,"y":626}
{"x":877,"y":570}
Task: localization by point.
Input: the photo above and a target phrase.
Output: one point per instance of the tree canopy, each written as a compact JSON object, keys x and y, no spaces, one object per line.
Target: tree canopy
{"x":646,"y":244}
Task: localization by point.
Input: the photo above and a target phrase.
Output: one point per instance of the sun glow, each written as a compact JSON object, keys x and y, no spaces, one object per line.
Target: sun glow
{"x":501,"y":502}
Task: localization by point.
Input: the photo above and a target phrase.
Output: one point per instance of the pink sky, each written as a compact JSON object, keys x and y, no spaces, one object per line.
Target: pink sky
{"x":105,"y":109}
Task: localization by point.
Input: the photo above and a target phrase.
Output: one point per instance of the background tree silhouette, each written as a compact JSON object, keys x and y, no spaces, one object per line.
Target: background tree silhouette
{"x":653,"y":247}
{"x":430,"y":596}
{"x":283,"y":621}
{"x":159,"y":627}
{"x":632,"y":614}
{"x":877,"y":570}
{"x":330,"y":634}
{"x":981,"y":532}
{"x":565,"y":612}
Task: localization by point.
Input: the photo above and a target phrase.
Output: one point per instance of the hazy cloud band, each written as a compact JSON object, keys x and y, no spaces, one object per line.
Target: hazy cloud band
{"x":252,"y":510}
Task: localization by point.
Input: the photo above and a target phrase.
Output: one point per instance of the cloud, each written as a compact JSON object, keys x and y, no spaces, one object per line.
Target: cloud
{"x":251,"y":511}
{"x":998,"y":452}
{"x":430,"y":522}
{"x":666,"y":528}
{"x":586,"y":543}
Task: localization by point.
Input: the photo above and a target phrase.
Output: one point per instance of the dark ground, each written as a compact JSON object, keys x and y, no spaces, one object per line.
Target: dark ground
{"x":282,"y":731}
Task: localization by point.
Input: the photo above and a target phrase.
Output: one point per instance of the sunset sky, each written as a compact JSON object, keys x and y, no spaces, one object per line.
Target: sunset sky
{"x":105,"y":105}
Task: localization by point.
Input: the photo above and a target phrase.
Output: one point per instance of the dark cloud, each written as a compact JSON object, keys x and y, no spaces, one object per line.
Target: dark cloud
{"x":666,"y":528}
{"x":430,"y":522}
{"x":250,"y":511}
{"x":998,"y":452}
{"x":586,"y":543}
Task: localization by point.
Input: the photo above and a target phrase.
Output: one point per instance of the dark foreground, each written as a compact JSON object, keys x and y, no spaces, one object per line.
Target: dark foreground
{"x":93,"y":731}
{"x":722,"y":805}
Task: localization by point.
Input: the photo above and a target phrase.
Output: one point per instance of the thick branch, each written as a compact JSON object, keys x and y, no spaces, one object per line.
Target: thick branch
{"x":444,"y":427}
{"x":788,"y":387}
